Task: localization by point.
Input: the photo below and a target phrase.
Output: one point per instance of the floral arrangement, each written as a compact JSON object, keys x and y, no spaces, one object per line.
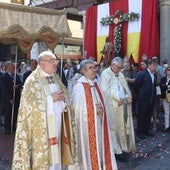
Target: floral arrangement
{"x":117,"y":19}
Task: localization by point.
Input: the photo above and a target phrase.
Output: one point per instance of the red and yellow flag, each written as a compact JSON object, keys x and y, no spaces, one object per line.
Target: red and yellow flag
{"x":138,"y":37}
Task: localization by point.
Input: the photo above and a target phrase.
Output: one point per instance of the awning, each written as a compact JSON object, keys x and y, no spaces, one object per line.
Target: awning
{"x":26,"y":25}
{"x":71,"y":41}
{"x":70,"y":56}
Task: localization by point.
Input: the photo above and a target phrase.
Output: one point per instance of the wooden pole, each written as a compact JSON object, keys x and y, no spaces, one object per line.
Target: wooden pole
{"x":15,"y":72}
{"x":62,"y":56}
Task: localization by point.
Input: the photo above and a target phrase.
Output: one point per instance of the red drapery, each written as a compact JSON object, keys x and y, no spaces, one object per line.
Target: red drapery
{"x":90,"y":41}
{"x":149,"y":40}
{"x":123,"y":6}
{"x":149,"y":37}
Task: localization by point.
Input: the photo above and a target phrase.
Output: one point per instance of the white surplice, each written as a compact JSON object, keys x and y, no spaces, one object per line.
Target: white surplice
{"x":55,"y":108}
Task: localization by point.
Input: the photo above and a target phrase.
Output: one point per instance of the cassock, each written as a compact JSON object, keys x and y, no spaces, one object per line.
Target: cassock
{"x":92,"y":136}
{"x":44,"y":138}
{"x":114,"y":87}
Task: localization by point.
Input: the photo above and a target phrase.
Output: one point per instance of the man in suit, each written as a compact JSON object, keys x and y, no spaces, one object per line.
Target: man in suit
{"x":1,"y":99}
{"x":145,"y":86}
{"x":33,"y":65}
{"x":62,"y":76}
{"x":10,"y":88}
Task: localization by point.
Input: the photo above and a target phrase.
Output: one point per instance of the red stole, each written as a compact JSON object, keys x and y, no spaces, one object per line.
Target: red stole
{"x":91,"y":130}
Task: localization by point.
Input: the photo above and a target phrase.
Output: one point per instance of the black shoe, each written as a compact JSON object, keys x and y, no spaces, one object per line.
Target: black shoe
{"x":121,"y":157}
{"x":142,"y":136}
{"x":165,"y":129}
{"x":1,"y":124}
{"x":150,"y":134}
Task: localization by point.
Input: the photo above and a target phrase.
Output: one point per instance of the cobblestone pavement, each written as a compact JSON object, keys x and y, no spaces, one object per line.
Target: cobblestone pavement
{"x":152,"y":153}
{"x":6,"y":150}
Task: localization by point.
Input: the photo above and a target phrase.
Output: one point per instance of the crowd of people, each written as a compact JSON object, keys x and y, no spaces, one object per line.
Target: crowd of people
{"x":10,"y":91}
{"x":82,"y":115}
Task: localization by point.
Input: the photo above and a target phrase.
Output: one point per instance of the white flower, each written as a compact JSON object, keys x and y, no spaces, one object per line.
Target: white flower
{"x":116,"y":21}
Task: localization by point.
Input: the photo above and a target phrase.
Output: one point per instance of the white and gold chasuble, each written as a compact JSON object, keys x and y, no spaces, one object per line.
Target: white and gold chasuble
{"x":44,"y":138}
{"x":120,"y":120}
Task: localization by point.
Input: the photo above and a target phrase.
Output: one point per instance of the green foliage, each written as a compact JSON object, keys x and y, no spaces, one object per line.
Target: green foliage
{"x":117,"y":19}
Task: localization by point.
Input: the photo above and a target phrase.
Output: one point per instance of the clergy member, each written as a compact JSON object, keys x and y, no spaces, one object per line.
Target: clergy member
{"x":43,"y":136}
{"x":118,"y":102}
{"x":92,"y":137}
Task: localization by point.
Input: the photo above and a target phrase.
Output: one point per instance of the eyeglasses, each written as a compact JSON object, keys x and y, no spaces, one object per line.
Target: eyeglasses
{"x":91,"y":68}
{"x":53,"y":60}
{"x":118,"y":67}
{"x":97,"y":65}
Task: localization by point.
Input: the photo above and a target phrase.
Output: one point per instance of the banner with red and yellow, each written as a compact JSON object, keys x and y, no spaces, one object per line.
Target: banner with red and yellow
{"x":138,"y":37}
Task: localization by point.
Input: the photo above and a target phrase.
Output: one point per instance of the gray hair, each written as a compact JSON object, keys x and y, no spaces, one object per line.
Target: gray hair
{"x":45,"y":53}
{"x":117,"y":60}
{"x":164,"y":61}
{"x":84,"y":62}
{"x":7,"y":63}
{"x":152,"y":61}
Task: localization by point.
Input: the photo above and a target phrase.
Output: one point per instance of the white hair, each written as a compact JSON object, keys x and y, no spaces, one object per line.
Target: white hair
{"x":117,"y":60}
{"x":45,"y":53}
{"x":84,"y":62}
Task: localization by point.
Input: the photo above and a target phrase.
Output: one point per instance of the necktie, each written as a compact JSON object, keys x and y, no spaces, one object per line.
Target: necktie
{"x":12,"y":76}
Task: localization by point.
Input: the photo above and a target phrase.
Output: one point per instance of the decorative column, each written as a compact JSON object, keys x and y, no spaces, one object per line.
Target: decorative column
{"x":165,"y":29}
{"x":83,"y":25}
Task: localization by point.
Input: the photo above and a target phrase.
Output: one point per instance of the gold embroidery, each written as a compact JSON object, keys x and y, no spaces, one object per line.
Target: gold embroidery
{"x":91,"y":127}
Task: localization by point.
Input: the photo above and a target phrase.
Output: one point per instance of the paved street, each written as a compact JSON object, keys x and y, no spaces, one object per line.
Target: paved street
{"x":152,"y":153}
{"x":6,"y":150}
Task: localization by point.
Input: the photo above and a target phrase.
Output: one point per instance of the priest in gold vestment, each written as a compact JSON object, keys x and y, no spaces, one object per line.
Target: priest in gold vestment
{"x":92,"y":136}
{"x":118,"y":99}
{"x":44,"y":137}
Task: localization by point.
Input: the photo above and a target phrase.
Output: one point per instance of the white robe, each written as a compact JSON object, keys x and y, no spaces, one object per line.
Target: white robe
{"x":119,"y":117}
{"x":81,"y":119}
{"x":57,"y":108}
